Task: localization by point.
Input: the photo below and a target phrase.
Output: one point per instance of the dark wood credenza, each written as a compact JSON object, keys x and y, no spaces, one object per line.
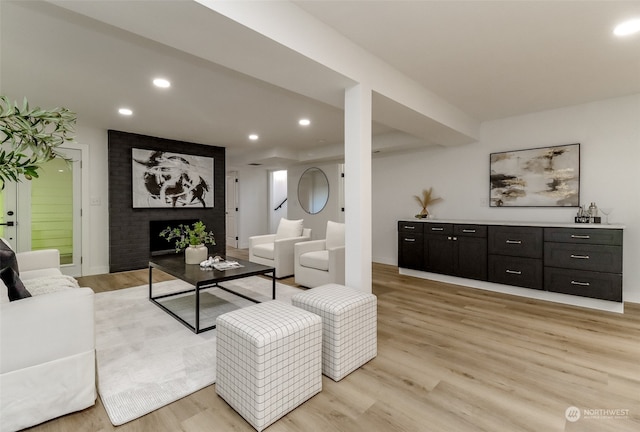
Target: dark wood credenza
{"x":564,"y":258}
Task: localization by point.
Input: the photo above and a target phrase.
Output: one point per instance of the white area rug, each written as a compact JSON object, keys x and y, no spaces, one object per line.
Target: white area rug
{"x":146,"y":359}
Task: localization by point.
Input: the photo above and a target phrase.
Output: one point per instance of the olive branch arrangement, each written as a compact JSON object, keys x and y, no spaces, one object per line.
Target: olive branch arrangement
{"x":30,"y":137}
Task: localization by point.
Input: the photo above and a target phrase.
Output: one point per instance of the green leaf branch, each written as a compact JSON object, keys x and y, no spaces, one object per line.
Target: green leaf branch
{"x":30,"y":137}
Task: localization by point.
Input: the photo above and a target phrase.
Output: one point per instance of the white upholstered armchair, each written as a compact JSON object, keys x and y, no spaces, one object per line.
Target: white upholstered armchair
{"x":321,"y":262}
{"x":276,"y":250}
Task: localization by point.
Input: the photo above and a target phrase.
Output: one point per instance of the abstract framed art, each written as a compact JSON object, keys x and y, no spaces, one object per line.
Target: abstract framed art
{"x":163,"y":179}
{"x":537,"y":177}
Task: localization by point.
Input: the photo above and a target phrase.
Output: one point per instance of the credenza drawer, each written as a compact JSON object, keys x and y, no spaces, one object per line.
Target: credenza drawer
{"x":598,"y":236}
{"x":438,"y":228}
{"x":517,"y":271}
{"x":606,"y":286}
{"x":410,"y":227}
{"x":599,"y":258}
{"x":468,"y":230}
{"x":516,"y":241}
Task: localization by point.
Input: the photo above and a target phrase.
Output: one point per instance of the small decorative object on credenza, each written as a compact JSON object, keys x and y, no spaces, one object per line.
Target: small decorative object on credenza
{"x":192,"y":239}
{"x":425,"y":200}
{"x":588,"y":215}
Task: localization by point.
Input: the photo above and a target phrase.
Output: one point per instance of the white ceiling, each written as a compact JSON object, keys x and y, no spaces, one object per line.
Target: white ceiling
{"x":489,"y":59}
{"x":495,"y":59}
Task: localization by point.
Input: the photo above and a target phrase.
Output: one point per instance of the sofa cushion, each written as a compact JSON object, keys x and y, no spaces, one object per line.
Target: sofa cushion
{"x":335,"y":235}
{"x":8,"y":256}
{"x":15,"y":288}
{"x":264,"y":250}
{"x":289,"y":228}
{"x":39,"y":273}
{"x":318,"y":260}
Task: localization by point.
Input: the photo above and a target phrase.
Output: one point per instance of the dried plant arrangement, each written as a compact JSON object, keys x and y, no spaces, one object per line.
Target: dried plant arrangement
{"x":425,"y":201}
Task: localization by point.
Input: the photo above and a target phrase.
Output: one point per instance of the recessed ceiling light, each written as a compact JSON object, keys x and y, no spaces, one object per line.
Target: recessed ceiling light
{"x":304,"y":122}
{"x":253,"y":137}
{"x":161,"y":82}
{"x":125,"y":111}
{"x":627,"y":28}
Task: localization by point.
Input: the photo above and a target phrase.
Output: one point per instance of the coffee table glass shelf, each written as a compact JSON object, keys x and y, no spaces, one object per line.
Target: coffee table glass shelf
{"x":195,"y":300}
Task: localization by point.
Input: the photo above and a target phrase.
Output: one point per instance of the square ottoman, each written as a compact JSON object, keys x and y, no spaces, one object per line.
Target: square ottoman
{"x":349,"y":326}
{"x":268,"y":360}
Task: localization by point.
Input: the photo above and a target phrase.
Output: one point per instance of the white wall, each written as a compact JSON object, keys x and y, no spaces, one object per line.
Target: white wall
{"x":609,"y":134}
{"x":278,"y":192}
{"x":317,"y":222}
{"x":95,"y":212}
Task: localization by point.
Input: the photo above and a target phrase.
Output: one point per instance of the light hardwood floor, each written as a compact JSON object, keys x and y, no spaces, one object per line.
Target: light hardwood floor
{"x":449,"y":359}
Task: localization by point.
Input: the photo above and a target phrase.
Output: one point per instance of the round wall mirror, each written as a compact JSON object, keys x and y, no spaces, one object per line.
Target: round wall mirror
{"x":313,"y":190}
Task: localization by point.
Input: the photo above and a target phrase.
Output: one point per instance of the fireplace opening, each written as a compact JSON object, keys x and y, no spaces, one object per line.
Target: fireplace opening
{"x":159,"y":245}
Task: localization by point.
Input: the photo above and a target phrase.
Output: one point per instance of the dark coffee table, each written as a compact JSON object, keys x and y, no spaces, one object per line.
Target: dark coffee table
{"x":201,"y":280}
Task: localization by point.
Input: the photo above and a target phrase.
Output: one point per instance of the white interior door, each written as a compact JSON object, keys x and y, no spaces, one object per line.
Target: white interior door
{"x":45,"y":213}
{"x":8,"y":210}
{"x":231,"y":194}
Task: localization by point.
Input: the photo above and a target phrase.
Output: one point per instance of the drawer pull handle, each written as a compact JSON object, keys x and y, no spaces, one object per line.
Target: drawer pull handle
{"x":437,"y":229}
{"x":580,"y":256}
{"x":515,"y":272}
{"x":468,"y":231}
{"x":586,"y":237}
{"x":579,"y":283}
{"x":514,"y":241}
{"x":409,"y":240}
{"x":408,"y":227}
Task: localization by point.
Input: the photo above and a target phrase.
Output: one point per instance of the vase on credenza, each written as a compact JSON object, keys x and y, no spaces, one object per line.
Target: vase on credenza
{"x":195,"y":254}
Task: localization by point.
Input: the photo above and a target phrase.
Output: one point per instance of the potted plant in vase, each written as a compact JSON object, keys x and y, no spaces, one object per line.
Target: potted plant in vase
{"x":192,"y":239}
{"x":425,"y":200}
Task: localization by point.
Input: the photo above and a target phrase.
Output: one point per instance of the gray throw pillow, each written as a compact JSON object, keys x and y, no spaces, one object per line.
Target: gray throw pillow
{"x":15,"y":288}
{"x":8,"y":257}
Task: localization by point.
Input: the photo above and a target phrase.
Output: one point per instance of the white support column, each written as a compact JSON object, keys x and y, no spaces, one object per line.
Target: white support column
{"x":357,"y":182}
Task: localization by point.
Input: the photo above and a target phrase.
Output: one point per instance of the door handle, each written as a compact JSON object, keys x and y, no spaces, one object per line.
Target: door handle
{"x":514,"y":241}
{"x":8,"y":223}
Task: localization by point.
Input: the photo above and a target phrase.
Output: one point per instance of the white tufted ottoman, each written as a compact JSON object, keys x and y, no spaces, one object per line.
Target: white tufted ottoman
{"x":268,"y":360}
{"x":349,"y":326}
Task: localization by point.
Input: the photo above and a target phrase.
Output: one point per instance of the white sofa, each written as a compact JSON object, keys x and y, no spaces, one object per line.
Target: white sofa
{"x":276,"y":250}
{"x":321,"y":262}
{"x":47,"y":348}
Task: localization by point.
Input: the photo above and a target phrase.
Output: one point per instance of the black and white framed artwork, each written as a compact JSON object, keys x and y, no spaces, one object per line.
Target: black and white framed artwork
{"x":164,"y":179}
{"x":538,"y":177}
